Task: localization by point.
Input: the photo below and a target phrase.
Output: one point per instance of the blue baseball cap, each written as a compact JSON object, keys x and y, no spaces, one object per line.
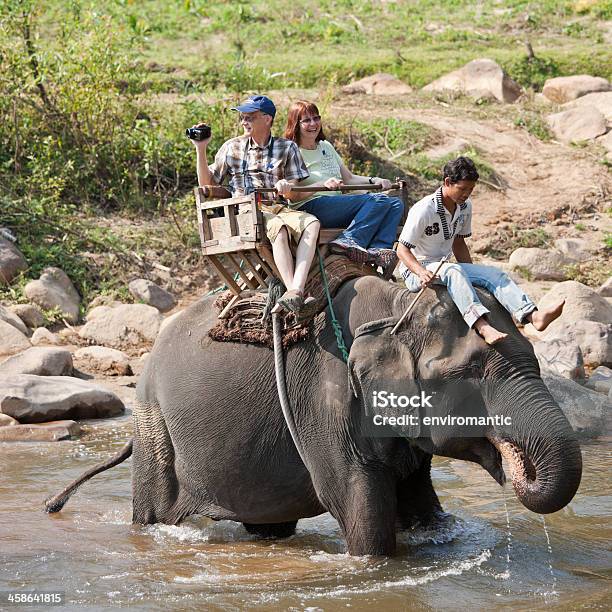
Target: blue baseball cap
{"x":257,"y":103}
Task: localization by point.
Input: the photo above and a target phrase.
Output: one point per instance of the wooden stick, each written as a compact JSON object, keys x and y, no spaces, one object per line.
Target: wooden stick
{"x":312,"y":188}
{"x":418,"y":295}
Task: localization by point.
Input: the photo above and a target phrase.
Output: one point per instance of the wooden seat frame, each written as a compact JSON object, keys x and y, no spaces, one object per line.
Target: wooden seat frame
{"x":234,"y":240}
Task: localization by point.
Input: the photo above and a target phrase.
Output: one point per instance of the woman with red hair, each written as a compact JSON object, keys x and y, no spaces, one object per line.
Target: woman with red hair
{"x":371,"y":219}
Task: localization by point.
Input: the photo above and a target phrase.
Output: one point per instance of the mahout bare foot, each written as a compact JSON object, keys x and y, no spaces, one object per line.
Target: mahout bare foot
{"x":541,"y":319}
{"x":488,"y":333}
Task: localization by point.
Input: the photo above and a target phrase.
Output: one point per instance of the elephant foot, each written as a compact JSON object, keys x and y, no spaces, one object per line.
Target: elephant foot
{"x":271,"y":530}
{"x":431,"y":520}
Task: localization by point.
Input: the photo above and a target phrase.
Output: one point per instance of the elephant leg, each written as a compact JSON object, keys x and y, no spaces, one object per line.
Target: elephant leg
{"x":366,"y":511}
{"x":272,"y":530}
{"x":154,"y":483}
{"x":417,"y":501}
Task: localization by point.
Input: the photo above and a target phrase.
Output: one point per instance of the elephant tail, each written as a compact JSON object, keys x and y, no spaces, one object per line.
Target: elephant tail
{"x":57,"y":502}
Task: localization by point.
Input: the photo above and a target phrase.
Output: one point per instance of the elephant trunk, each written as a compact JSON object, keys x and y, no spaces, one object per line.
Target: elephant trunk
{"x":539,"y":445}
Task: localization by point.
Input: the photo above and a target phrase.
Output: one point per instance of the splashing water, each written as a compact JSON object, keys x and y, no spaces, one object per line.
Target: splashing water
{"x":506,"y":574}
{"x":553,"y":592}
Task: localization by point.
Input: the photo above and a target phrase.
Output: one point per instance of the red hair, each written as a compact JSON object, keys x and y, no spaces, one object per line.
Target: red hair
{"x":299,"y":109}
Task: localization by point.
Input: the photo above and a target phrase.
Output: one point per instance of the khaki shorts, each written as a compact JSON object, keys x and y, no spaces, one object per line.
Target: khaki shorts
{"x":278,"y":216}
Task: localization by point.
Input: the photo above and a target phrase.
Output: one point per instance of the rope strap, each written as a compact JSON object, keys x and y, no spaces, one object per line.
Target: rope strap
{"x":335,"y":324}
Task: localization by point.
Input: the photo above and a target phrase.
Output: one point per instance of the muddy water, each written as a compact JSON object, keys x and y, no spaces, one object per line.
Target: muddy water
{"x":484,"y":558}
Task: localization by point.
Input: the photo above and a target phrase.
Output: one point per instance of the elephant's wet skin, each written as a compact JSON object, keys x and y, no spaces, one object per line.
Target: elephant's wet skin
{"x":210,"y":437}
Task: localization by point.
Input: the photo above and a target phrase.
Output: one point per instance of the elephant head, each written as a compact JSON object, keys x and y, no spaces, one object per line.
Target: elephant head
{"x":434,"y":355}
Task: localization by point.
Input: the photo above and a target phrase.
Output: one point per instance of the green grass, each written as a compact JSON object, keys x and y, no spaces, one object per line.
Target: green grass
{"x":95,"y":100}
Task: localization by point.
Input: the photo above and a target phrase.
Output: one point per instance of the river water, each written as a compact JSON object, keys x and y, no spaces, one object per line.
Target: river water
{"x":492,"y":554}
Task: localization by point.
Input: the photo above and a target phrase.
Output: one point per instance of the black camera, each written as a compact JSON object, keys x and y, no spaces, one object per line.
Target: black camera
{"x":198,"y":133}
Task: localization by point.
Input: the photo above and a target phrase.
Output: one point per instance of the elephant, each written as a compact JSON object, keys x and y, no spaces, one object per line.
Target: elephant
{"x":210,"y":437}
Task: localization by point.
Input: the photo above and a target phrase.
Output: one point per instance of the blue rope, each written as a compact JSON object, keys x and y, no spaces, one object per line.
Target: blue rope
{"x":335,"y":324}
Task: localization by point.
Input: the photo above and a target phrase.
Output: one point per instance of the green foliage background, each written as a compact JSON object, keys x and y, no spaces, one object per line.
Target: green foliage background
{"x":94,"y":98}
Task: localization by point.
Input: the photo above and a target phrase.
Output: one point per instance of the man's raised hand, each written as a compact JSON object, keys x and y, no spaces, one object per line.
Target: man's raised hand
{"x":283,"y":187}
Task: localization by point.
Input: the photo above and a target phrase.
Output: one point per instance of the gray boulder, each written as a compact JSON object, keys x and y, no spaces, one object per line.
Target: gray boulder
{"x":152,"y":294}
{"x":577,"y":124}
{"x":380,"y":84}
{"x":31,"y":315}
{"x":37,"y":399}
{"x":40,"y":361}
{"x":480,"y":78}
{"x":55,"y":290}
{"x":539,"y":264}
{"x":103,"y":359}
{"x":12,"y":261}
{"x":12,"y":319}
{"x":43,"y":336}
{"x":587,"y":412}
{"x":601,"y":380}
{"x":601,"y":101}
{"x":124,"y":325}
{"x":44,"y":432}
{"x":561,"y":357}
{"x":12,"y":340}
{"x":593,"y":338}
{"x":565,"y":89}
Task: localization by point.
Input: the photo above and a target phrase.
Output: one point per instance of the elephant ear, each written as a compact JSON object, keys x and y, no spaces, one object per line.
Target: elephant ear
{"x":379,"y":362}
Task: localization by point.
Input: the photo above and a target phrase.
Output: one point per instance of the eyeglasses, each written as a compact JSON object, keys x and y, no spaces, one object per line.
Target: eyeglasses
{"x":248,"y":118}
{"x":307,"y":120}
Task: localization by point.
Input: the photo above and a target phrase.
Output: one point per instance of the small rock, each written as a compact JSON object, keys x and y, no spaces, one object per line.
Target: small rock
{"x":128,"y":324}
{"x":55,"y":290}
{"x":565,"y":89}
{"x":606,"y":289}
{"x":593,"y":338}
{"x":380,"y":84}
{"x":12,"y":261}
{"x":46,"y":432}
{"x":561,"y":357}
{"x":7,"y":421}
{"x":573,"y":249}
{"x":36,"y":399}
{"x":31,"y":315}
{"x":587,"y":412}
{"x":12,"y":319}
{"x":103,"y":359}
{"x":43,"y":336}
{"x":540,"y":264}
{"x":42,"y":361}
{"x":12,"y":340}
{"x":600,"y":380}
{"x":479,"y":78}
{"x":578,"y":124}
{"x":152,"y":294}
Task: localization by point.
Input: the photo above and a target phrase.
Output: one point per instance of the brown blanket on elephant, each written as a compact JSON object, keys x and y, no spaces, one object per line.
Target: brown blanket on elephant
{"x":245,"y":321}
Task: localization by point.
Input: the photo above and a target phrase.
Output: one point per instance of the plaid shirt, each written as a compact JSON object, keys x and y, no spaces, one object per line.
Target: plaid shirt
{"x":250,"y":166}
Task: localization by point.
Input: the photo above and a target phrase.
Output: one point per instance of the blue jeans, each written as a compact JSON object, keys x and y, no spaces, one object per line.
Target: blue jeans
{"x":371,"y":219}
{"x":460,"y":279}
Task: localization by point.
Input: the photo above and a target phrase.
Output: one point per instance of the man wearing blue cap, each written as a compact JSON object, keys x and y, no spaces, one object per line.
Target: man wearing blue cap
{"x":259,"y":160}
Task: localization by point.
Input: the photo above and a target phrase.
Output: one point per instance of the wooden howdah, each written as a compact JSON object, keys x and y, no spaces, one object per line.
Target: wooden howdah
{"x":234,"y":240}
